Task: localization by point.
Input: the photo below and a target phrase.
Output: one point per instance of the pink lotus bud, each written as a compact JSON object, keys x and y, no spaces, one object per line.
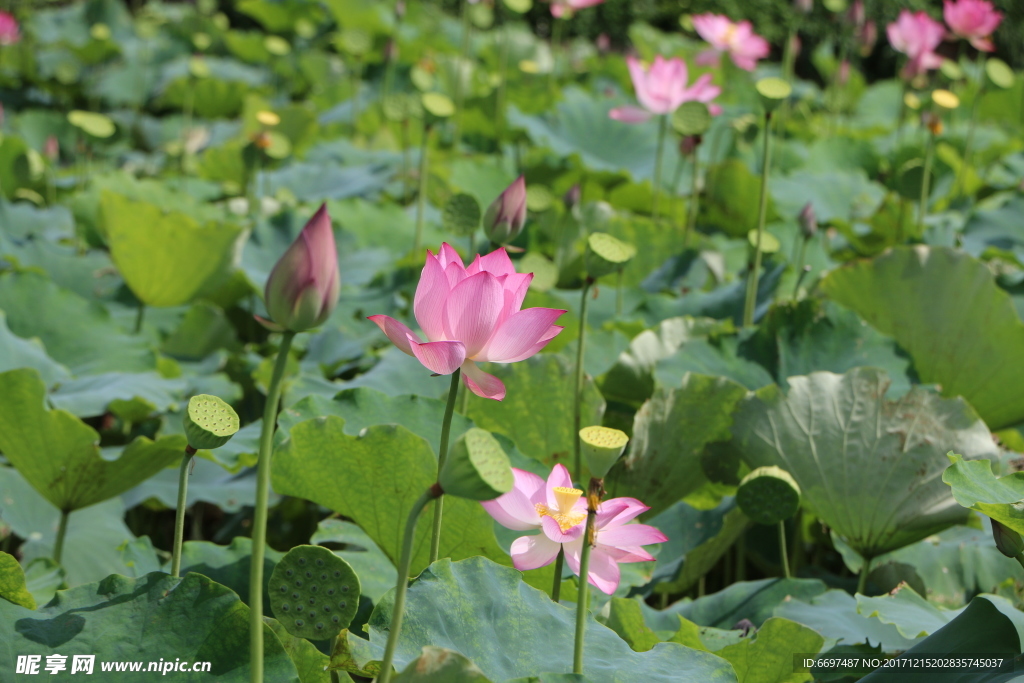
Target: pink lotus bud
{"x":804,"y":6}
{"x":688,"y":145}
{"x":303,"y":287}
{"x":572,"y":197}
{"x":844,"y":72}
{"x":603,"y":43}
{"x":52,"y":148}
{"x":974,"y":20}
{"x":1008,"y":541}
{"x":506,"y":215}
{"x":796,"y":45}
{"x":916,"y":35}
{"x":808,"y":221}
{"x":400,"y":9}
{"x":856,"y":14}
{"x":9,"y":31}
{"x":867,"y":36}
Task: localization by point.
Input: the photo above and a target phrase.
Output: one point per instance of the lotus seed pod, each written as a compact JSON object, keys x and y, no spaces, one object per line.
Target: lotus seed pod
{"x":313,"y":592}
{"x":768,"y":495}
{"x":692,"y":119}
{"x":1008,"y":541}
{"x":606,"y":254}
{"x":209,"y":422}
{"x":602,"y":446}
{"x":773,"y":92}
{"x":476,"y":468}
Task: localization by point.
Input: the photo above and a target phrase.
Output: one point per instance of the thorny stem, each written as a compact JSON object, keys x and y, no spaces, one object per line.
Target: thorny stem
{"x":442,"y":455}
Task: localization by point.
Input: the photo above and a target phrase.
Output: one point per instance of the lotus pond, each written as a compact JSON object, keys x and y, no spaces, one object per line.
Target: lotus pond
{"x":339,"y":339}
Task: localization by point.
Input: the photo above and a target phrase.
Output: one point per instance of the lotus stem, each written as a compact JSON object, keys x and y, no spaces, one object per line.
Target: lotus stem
{"x":784,"y":550}
{"x":421,"y":193}
{"x":593,"y":500}
{"x":618,"y":294}
{"x":929,"y":155}
{"x":556,"y":39}
{"x":460,"y":95}
{"x":403,"y":581}
{"x":969,"y":142}
{"x":259,"y":520}
{"x":691,"y":209}
{"x":499,"y":114}
{"x":752,"y":276}
{"x":862,"y":580}
{"x":556,"y":584}
{"x":578,"y":408}
{"x":442,"y":455}
{"x":1020,"y":559}
{"x":140,"y":314}
{"x":658,"y":153}
{"x":62,"y":531}
{"x":179,"y":516}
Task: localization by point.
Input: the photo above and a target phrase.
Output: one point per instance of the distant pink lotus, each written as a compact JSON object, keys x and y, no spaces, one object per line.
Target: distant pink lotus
{"x":916,"y":35}
{"x":9,"y":31}
{"x":472,"y":314}
{"x":560,"y":8}
{"x":738,"y":39}
{"x":973,"y":20}
{"x":662,"y":88}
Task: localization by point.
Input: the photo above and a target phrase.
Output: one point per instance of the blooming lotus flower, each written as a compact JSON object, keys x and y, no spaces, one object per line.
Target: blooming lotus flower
{"x":472,"y":314}
{"x":973,"y":20}
{"x":9,"y":32}
{"x":506,"y":216}
{"x":661,"y":88}
{"x":916,"y":35}
{"x":303,"y":287}
{"x":561,"y":8}
{"x":743,"y":45}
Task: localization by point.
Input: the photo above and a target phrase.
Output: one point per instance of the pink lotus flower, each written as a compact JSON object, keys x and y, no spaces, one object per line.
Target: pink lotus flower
{"x":472,"y":315}
{"x":916,"y":35}
{"x":303,"y":287}
{"x":973,"y":20}
{"x":560,"y":512}
{"x":9,"y":32}
{"x":743,"y":45}
{"x":561,"y":8}
{"x":662,"y":88}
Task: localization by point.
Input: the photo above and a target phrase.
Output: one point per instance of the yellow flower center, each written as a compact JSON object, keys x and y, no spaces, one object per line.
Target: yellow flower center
{"x":566,"y":517}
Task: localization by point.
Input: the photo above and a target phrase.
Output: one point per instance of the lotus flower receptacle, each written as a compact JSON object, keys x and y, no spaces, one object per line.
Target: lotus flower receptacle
{"x":773,"y":92}
{"x":209,"y":422}
{"x":313,"y":592}
{"x":607,"y":254}
{"x":691,"y":119}
{"x":768,"y":495}
{"x":477,"y":467}
{"x":602,"y":446}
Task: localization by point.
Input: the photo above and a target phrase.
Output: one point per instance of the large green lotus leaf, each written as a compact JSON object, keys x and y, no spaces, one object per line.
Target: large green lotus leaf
{"x":472,"y":605}
{"x":913,"y":616}
{"x":310,"y":663}
{"x":317,"y":182}
{"x":767,"y":657}
{"x":373,"y":479}
{"x":686,"y":528}
{"x":438,"y":665}
{"x":59,"y":454}
{"x":834,"y":615}
{"x":626,"y":618}
{"x":720,"y":357}
{"x":960,"y":328}
{"x":867,"y":467}
{"x":203,"y":330}
{"x":76,"y":332}
{"x":537,"y":413}
{"x":705,"y":556}
{"x":988,"y":626}
{"x":86,"y":273}
{"x":148,"y":618}
{"x":974,"y":486}
{"x":12,"y":583}
{"x":229,"y":565}
{"x":23,"y":220}
{"x":16,"y":352}
{"x":837,"y":195}
{"x":43,"y":578}
{"x":397,"y":373}
{"x":731,"y":200}
{"x":670,"y":432}
{"x":92,"y":395}
{"x":167,"y":258}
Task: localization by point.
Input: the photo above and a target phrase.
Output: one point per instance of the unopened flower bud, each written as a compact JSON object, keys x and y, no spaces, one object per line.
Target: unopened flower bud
{"x":572,"y":197}
{"x":52,"y":148}
{"x":506,"y":216}
{"x":10,"y":33}
{"x":688,"y":144}
{"x":603,"y":43}
{"x":303,"y":287}
{"x":844,"y":72}
{"x":1008,"y":541}
{"x":867,"y":36}
{"x":856,"y":14}
{"x":808,"y":221}
{"x":804,"y":6}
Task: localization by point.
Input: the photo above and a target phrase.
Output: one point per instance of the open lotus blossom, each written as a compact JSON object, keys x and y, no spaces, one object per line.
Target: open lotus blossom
{"x":9,"y":32}
{"x":661,"y":88}
{"x":738,"y":39}
{"x":560,"y":8}
{"x":973,"y":20}
{"x":472,"y":314}
{"x":916,"y":35}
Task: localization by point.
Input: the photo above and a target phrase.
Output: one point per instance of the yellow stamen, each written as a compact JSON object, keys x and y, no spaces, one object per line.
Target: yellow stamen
{"x":564,"y":514}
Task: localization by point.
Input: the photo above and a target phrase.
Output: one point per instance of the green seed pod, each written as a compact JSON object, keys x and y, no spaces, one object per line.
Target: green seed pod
{"x":1008,"y":541}
{"x":313,"y":592}
{"x":602,"y":446}
{"x":209,"y":422}
{"x":768,"y":495}
{"x":606,"y":254}
{"x":773,"y":92}
{"x":691,"y":118}
{"x":477,"y":468}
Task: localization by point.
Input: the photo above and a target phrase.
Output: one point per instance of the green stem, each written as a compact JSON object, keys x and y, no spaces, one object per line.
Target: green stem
{"x":581,"y":598}
{"x":405,"y":160}
{"x":556,"y":585}
{"x":499,"y":115}
{"x":179,"y":517}
{"x":578,"y":407}
{"x":460,"y":95}
{"x":259,"y":520}
{"x":788,"y":56}
{"x":800,"y":264}
{"x":619,"y":294}
{"x":403,"y":581}
{"x":140,"y":313}
{"x":62,"y":531}
{"x":556,"y":39}
{"x":656,"y":190}
{"x":356,"y":80}
{"x":187,"y":107}
{"x":751,"y":301}
{"x":929,"y":155}
{"x":691,"y":209}
{"x":1020,"y":559}
{"x":862,"y":580}
{"x":784,"y":550}
{"x":421,"y":195}
{"x":335,"y":676}
{"x":969,"y":142}
{"x":442,"y":455}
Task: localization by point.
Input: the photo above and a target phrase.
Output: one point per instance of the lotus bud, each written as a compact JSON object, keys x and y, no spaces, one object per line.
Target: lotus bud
{"x":572,"y":197}
{"x":843,"y":76}
{"x":689,"y":144}
{"x":303,"y":287}
{"x":867,"y":36}
{"x":10,"y":33}
{"x":808,"y":221}
{"x":856,"y":14}
{"x":506,"y":215}
{"x":209,"y":422}
{"x":1008,"y":541}
{"x":804,"y":6}
{"x":476,"y":468}
{"x":602,"y":446}
{"x":52,"y":148}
